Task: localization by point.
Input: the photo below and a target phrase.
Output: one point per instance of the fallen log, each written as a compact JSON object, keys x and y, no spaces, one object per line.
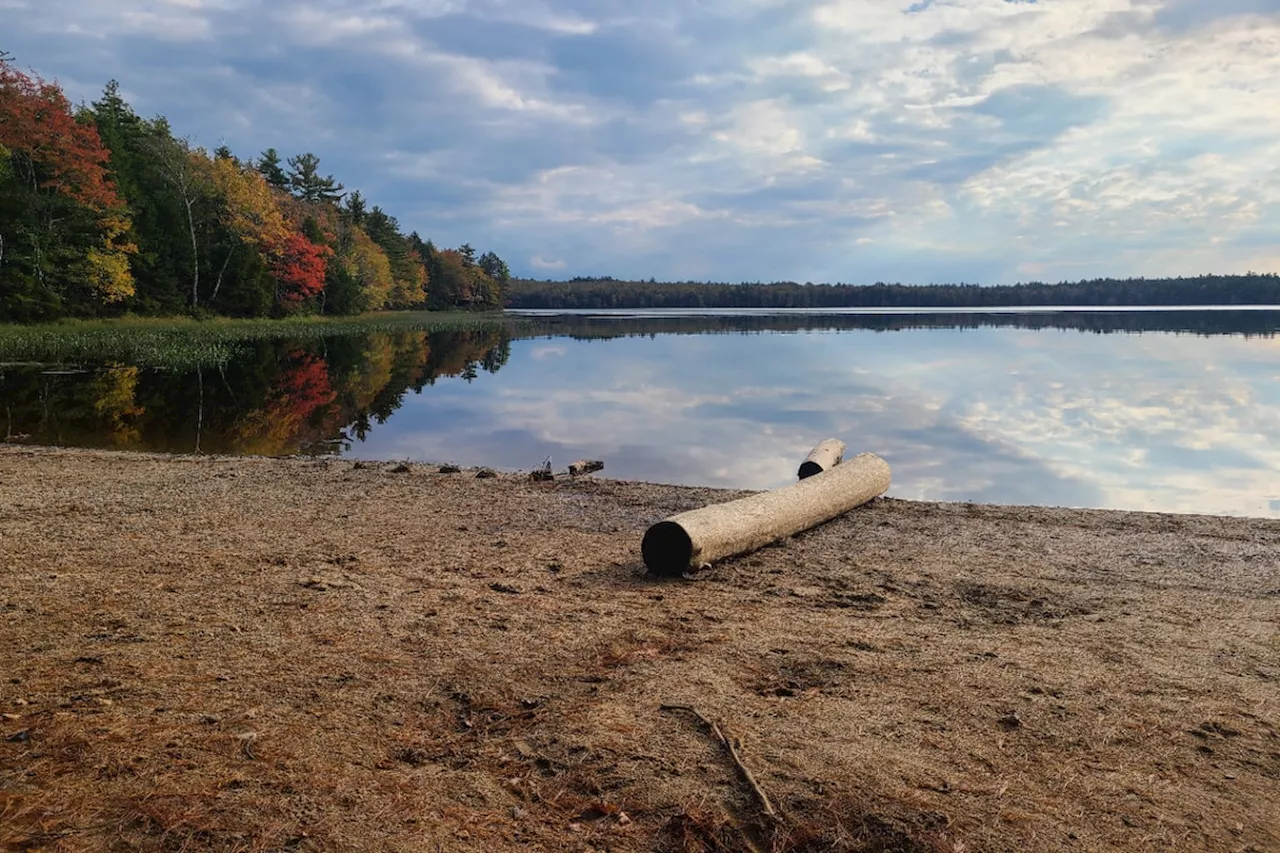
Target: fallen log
{"x":585,"y":466}
{"x":826,"y":455}
{"x":694,"y":539}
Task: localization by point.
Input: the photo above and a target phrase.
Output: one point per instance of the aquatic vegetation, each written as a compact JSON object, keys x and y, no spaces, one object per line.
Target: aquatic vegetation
{"x":181,"y":343}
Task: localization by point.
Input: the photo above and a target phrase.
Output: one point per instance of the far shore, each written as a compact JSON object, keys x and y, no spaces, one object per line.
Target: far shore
{"x":240,"y":653}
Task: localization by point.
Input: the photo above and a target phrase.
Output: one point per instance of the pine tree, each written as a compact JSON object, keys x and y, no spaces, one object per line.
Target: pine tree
{"x":308,"y":184}
{"x":269,"y":166}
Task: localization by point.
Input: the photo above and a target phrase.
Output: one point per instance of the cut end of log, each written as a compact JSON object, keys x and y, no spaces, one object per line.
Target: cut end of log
{"x":667,"y":549}
{"x":809,"y":468}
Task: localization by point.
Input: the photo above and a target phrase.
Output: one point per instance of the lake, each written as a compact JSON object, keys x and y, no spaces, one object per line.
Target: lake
{"x":1166,"y":410}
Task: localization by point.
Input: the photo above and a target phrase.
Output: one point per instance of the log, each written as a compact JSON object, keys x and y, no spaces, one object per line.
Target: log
{"x":826,"y":455}
{"x":585,"y":466}
{"x":691,"y":540}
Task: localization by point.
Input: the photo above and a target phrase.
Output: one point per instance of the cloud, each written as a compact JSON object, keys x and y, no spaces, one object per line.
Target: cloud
{"x":1174,"y":423}
{"x":807,"y":139}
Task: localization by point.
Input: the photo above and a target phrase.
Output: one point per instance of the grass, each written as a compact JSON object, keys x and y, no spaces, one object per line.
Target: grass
{"x":178,"y":342}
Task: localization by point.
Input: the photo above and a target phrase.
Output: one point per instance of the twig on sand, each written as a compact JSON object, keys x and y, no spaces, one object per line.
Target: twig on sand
{"x":733,"y":745}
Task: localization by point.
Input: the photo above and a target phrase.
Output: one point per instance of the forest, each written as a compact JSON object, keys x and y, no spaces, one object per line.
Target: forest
{"x":1246,"y":324}
{"x":606,"y":292}
{"x":105,"y":213}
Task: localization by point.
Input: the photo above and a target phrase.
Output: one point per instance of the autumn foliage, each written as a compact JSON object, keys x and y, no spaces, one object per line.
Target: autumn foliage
{"x":102,"y":210}
{"x":57,"y":198}
{"x":299,"y":265}
{"x":36,"y":122}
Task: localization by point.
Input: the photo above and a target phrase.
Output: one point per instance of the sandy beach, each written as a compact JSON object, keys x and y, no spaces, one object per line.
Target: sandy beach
{"x":242,"y":654}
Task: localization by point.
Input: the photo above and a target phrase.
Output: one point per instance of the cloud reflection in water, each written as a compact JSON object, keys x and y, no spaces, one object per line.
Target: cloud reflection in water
{"x":1156,"y":421}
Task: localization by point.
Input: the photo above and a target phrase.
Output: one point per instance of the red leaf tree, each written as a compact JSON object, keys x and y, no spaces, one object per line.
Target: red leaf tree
{"x":70,"y":222}
{"x":299,"y":266}
{"x":36,"y":122}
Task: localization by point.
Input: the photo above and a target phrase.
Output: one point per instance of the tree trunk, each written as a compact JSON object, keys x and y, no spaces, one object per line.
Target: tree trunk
{"x":825,"y":456}
{"x":218,"y":284}
{"x":690,"y":540}
{"x":195,"y":251}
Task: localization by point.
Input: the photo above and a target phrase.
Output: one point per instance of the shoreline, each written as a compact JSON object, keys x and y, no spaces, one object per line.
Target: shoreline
{"x":247,"y":652}
{"x":715,"y":494}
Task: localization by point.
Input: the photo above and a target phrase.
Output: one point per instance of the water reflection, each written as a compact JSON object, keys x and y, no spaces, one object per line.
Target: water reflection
{"x":277,"y":397}
{"x":1170,"y":411}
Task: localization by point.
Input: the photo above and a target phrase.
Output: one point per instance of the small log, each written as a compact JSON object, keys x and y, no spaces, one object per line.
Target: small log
{"x":826,"y":455}
{"x":585,"y":466}
{"x":543,"y":474}
{"x":690,"y":540}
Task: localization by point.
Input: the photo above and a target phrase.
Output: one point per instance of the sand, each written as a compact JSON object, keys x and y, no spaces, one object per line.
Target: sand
{"x":289,"y":654}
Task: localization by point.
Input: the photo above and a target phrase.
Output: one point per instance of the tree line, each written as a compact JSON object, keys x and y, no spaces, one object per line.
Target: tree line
{"x":606,"y":292}
{"x":103,"y":212}
{"x":588,"y":327}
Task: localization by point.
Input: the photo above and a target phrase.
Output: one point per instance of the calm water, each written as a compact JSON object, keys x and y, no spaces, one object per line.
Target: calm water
{"x":1162,"y":410}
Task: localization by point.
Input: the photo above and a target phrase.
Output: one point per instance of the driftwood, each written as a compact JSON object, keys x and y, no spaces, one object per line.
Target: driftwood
{"x":826,"y":455}
{"x":734,"y":748}
{"x":691,"y":540}
{"x":585,"y":466}
{"x":543,"y":474}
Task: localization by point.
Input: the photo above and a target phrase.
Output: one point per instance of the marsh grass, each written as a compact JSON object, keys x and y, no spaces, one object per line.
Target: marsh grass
{"x":184,"y":342}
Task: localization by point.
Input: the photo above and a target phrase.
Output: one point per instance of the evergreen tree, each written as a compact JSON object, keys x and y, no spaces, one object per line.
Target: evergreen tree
{"x":269,"y":166}
{"x":306,"y":182}
{"x":355,"y":208}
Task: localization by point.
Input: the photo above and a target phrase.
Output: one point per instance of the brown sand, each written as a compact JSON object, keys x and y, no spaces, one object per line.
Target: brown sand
{"x":262,"y":654}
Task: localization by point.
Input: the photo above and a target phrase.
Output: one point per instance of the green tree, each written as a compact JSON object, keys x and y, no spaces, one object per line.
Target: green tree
{"x":269,"y":166}
{"x":308,"y":184}
{"x":355,"y":209}
{"x":496,"y":269}
{"x":408,"y":271}
{"x":62,"y":219}
{"x":182,"y":168}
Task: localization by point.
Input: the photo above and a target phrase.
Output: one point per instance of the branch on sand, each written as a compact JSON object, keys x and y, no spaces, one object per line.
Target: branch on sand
{"x":733,"y":746}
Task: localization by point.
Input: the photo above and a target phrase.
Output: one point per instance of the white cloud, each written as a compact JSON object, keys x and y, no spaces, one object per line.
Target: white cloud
{"x":958,"y":139}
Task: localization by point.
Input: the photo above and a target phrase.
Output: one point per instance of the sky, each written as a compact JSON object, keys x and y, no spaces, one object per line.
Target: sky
{"x":988,"y":141}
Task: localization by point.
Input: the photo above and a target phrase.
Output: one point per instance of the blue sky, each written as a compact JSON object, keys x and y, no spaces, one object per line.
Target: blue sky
{"x":824,"y":140}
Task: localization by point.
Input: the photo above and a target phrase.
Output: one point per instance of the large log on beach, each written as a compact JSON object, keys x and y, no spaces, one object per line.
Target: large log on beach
{"x":690,"y":540}
{"x":826,"y":455}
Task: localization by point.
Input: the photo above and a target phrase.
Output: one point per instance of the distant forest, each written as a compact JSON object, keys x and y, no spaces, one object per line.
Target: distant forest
{"x":1204,"y":323}
{"x":600,"y":293}
{"x":103,"y":212}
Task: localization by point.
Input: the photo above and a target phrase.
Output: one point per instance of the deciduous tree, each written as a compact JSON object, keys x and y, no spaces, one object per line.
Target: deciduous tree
{"x":59,"y":209}
{"x":249,"y":211}
{"x":299,"y":267}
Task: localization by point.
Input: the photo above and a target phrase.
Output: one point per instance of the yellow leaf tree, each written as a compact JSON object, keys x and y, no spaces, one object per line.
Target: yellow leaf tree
{"x":250,"y":211}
